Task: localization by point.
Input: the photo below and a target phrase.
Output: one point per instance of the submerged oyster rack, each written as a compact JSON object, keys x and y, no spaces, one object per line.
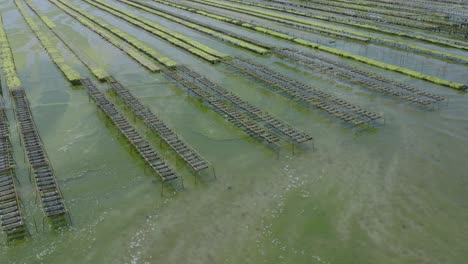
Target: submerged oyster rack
{"x":155,"y":124}
{"x":363,"y":78}
{"x":307,"y":95}
{"x":6,"y":158}
{"x":12,"y":220}
{"x":285,"y":130}
{"x":228,"y":112}
{"x":146,"y":151}
{"x":44,"y":175}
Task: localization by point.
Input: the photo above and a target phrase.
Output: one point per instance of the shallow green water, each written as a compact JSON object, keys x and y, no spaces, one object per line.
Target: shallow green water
{"x":395,"y":195}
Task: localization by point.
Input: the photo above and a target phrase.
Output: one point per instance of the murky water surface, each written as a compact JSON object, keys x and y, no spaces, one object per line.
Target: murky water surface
{"x":398,"y":194}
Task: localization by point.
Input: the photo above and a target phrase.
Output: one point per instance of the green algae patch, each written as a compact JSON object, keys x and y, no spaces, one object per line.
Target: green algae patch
{"x":98,"y":25}
{"x":48,"y":22}
{"x":386,"y":66}
{"x":71,"y":75}
{"x":98,"y":72}
{"x":132,"y":53}
{"x":175,"y":38}
{"x":214,"y":33}
{"x":8,"y":64}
